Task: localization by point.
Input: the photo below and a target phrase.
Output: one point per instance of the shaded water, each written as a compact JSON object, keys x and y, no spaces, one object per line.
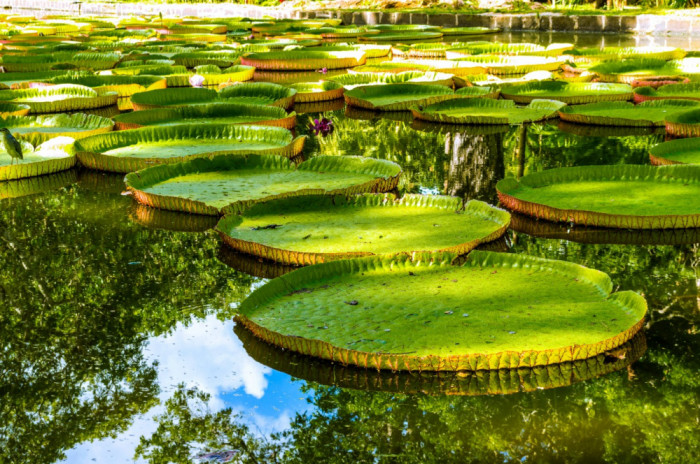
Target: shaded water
{"x":118,"y":342}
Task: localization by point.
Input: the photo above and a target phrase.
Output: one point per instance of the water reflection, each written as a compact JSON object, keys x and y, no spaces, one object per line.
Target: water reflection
{"x":107,"y":324}
{"x":498,"y":382}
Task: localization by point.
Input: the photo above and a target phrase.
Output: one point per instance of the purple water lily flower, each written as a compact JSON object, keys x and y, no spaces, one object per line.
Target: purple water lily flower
{"x":324,"y":127}
{"x":197,"y":81}
{"x":323,"y":71}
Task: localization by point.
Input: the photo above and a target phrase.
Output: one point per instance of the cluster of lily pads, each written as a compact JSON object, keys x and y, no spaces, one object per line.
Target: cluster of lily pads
{"x":199,"y":116}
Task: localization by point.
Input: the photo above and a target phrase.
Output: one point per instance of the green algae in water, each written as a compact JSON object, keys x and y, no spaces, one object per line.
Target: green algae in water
{"x":495,"y":311}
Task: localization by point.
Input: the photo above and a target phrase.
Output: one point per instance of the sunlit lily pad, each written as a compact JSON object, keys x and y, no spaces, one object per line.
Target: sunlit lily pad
{"x":620,"y":196}
{"x":60,"y":98}
{"x":487,"y":111}
{"x":646,"y":114}
{"x":295,"y":60}
{"x":52,"y":156}
{"x":683,"y":151}
{"x":126,"y":151}
{"x":216,"y":113}
{"x":568,"y":92}
{"x":229,"y":184}
{"x":397,"y":97}
{"x":317,"y":229}
{"x":422,"y":313}
{"x":39,"y":129}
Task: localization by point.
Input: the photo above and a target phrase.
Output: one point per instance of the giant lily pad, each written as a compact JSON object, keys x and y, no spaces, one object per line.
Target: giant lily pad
{"x":229,"y":184}
{"x":407,"y":37}
{"x":39,"y":129}
{"x":610,"y":54}
{"x":622,"y":196}
{"x":508,"y":65}
{"x":297,"y":60}
{"x":13,"y":109}
{"x":216,"y":112}
{"x":629,"y":71}
{"x":683,"y":151}
{"x":317,"y":229}
{"x":671,"y":91}
{"x":570,"y":93}
{"x":260,"y":93}
{"x":125,"y":86}
{"x":422,"y":313}
{"x":645,"y":114}
{"x":59,"y":98}
{"x":397,"y":97}
{"x":213,"y":76}
{"x":308,"y":92}
{"x":126,"y":151}
{"x":683,"y":124}
{"x":161,"y":98}
{"x":487,"y":111}
{"x":350,"y":81}
{"x":52,"y":156}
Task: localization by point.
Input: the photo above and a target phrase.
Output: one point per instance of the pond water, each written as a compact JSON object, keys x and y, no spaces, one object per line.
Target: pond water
{"x":118,"y":342}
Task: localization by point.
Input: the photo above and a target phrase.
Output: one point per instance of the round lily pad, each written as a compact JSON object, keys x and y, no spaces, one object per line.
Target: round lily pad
{"x":60,"y":98}
{"x":127,"y":151}
{"x":671,"y":91}
{"x":487,"y":111}
{"x":161,"y":98}
{"x":232,"y":183}
{"x":39,"y":129}
{"x":317,"y":229}
{"x":403,"y":37}
{"x":683,"y":124}
{"x":350,"y":81}
{"x":13,"y":109}
{"x":568,"y":92}
{"x":216,"y":113}
{"x":681,"y":151}
{"x":297,"y":60}
{"x":508,"y":65}
{"x":308,"y":92}
{"x":646,"y":114}
{"x":397,"y":97}
{"x":464,"y":383}
{"x":423,"y":313}
{"x":630,"y":70}
{"x":259,"y":93}
{"x":622,"y":196}
{"x":52,"y":156}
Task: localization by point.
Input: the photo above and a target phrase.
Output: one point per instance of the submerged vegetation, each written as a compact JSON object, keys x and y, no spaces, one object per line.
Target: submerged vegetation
{"x":376,"y":157}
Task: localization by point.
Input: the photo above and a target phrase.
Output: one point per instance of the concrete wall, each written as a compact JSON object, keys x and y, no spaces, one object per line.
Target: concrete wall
{"x":679,"y":25}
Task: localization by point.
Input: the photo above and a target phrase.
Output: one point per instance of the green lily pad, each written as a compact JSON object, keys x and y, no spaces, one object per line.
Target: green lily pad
{"x":611,"y":54}
{"x":127,"y":151}
{"x":403,"y":37}
{"x":630,"y":70}
{"x":38,"y":129}
{"x":317,"y":229}
{"x":356,"y":79}
{"x":683,"y":124}
{"x":161,"y":98}
{"x":487,"y":111}
{"x":298,"y":60}
{"x":568,"y":92}
{"x":52,"y":156}
{"x":422,"y":313}
{"x":671,"y":91}
{"x":681,"y":151}
{"x":216,"y":113}
{"x":59,"y":98}
{"x":308,"y":92}
{"x":646,"y":114}
{"x":232,"y":183}
{"x":259,"y":93}
{"x":508,"y":65}
{"x":622,"y":196}
{"x":397,"y":97}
